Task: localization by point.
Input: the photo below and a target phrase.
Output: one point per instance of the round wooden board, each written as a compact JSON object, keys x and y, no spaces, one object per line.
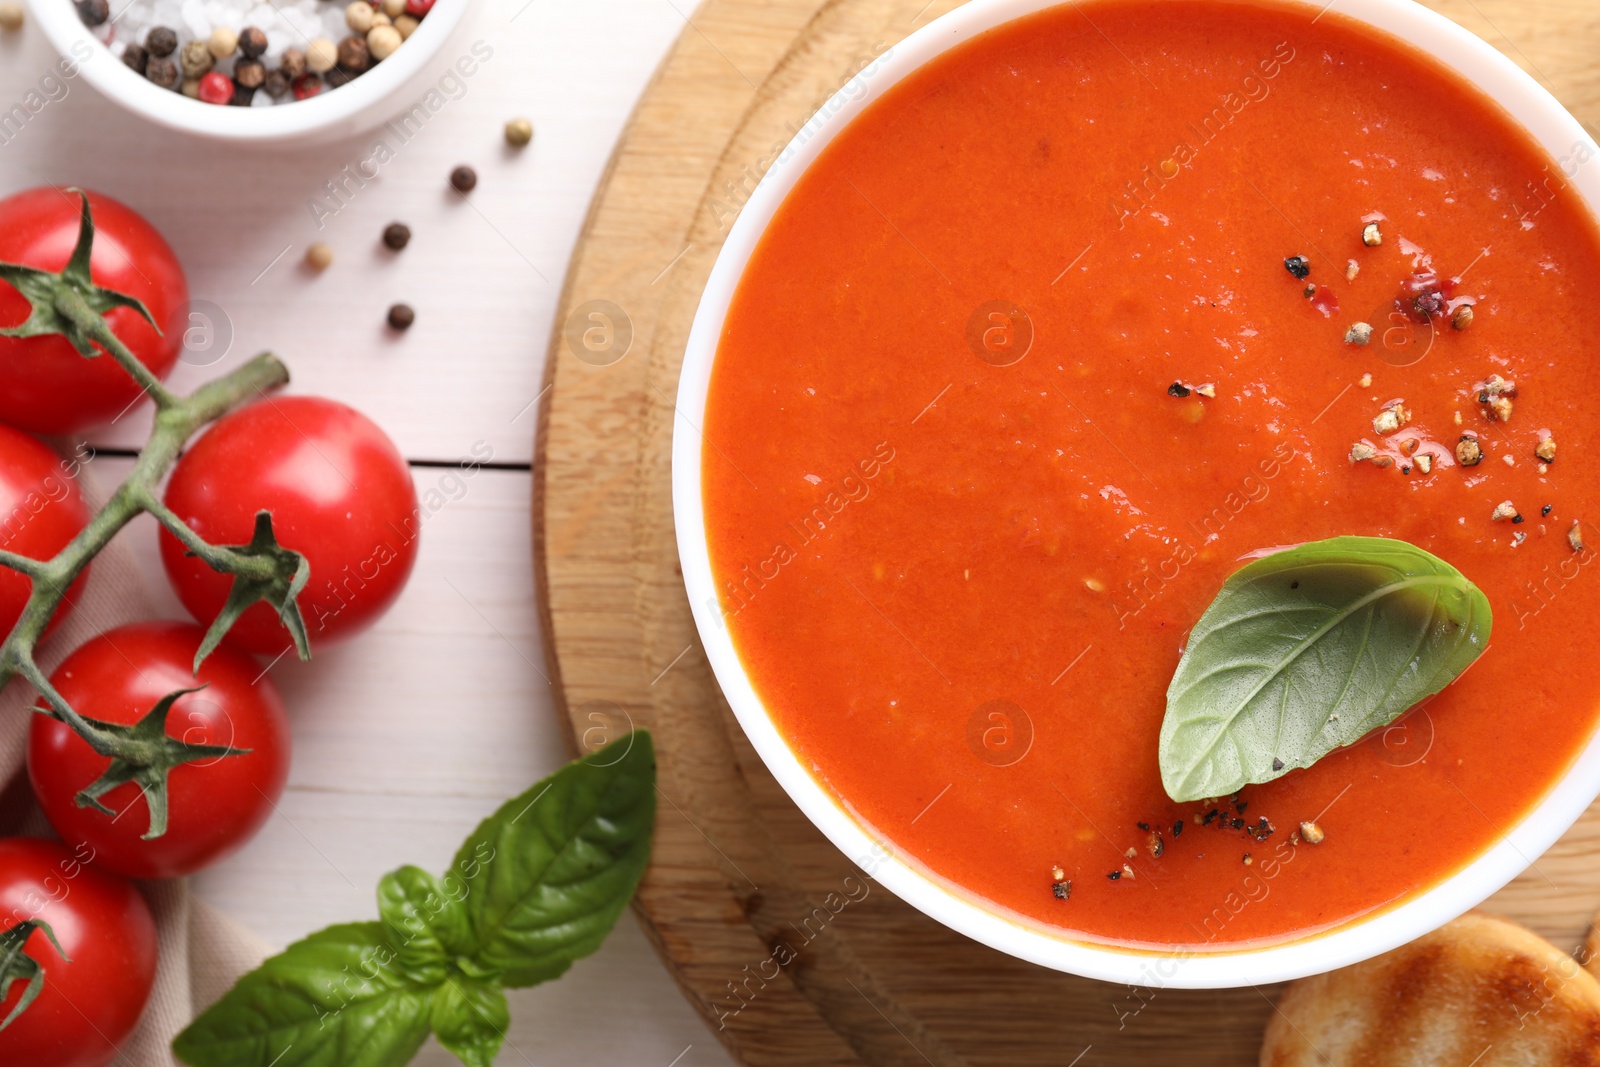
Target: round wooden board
{"x":739,"y":874}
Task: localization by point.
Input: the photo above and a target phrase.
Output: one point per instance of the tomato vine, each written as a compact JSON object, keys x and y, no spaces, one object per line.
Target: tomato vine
{"x":68,"y":303}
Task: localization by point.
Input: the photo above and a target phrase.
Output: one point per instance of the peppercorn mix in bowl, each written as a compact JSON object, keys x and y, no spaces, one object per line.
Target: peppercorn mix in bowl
{"x":255,"y":70}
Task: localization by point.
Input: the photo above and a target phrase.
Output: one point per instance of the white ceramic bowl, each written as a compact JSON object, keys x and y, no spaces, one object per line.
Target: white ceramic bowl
{"x":353,"y":108}
{"x":1540,"y":114}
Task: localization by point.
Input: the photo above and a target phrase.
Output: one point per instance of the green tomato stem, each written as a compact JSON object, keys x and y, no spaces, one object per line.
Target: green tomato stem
{"x":177,"y":420}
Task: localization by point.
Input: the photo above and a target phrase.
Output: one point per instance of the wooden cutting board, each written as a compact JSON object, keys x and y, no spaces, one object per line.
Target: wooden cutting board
{"x":737,"y":870}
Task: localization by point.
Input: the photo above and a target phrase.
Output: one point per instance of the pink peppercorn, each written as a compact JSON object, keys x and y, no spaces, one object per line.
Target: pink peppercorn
{"x":418,"y":8}
{"x":307,"y":85}
{"x":216,"y":88}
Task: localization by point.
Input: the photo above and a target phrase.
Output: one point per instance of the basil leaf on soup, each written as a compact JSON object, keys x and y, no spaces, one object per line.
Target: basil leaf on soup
{"x":1307,"y":650}
{"x":548,"y":874}
{"x":333,"y":1000}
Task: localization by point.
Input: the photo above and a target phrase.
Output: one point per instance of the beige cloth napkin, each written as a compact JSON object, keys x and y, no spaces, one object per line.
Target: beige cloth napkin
{"x":202,"y":950}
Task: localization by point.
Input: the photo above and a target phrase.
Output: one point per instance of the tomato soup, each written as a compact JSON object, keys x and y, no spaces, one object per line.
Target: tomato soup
{"x":1054,"y":336}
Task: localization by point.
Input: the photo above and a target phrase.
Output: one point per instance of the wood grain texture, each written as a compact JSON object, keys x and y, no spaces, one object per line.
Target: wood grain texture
{"x":737,"y":869}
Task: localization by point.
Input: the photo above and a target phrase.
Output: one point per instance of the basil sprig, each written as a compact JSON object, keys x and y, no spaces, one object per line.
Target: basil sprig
{"x":536,"y":886}
{"x":1307,"y":650}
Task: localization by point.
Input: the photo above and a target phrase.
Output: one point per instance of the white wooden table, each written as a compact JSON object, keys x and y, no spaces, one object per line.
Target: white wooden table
{"x":408,"y":736}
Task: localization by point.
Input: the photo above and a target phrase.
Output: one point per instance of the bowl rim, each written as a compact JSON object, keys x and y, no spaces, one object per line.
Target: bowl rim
{"x":1468,"y":56}
{"x":172,"y":110}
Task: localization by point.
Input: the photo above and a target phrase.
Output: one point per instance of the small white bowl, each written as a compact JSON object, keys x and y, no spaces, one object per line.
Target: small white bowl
{"x":353,"y":108}
{"x":1530,"y":105}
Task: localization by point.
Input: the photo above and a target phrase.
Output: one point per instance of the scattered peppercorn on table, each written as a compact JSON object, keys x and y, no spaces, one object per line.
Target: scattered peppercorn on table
{"x":406,"y":738}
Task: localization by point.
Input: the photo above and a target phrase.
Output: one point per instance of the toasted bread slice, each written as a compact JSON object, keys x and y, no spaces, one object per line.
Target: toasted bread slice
{"x":1480,"y":992}
{"x":1591,"y":948}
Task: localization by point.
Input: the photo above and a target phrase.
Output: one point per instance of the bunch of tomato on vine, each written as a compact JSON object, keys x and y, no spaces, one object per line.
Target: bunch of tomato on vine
{"x":155,"y":748}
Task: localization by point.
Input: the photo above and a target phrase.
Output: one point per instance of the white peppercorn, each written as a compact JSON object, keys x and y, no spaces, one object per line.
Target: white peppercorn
{"x":382,"y":42}
{"x":519,"y":132}
{"x":406,"y":25}
{"x":321,"y":55}
{"x":11,"y":16}
{"x":358,"y":16}
{"x":223,"y":42}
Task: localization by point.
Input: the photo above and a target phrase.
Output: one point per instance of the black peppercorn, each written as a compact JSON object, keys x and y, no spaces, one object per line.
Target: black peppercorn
{"x":401,"y":317}
{"x":396,"y":235}
{"x":353,"y":55}
{"x":250,"y":73}
{"x":161,"y":41}
{"x":294,"y":63}
{"x":276,"y":84}
{"x":252,"y":42}
{"x":135,"y":57}
{"x":1299,"y":266}
{"x":242,"y":95}
{"x":464,"y":179}
{"x":336,"y":77}
{"x":93,"y":12}
{"x":163,"y":72}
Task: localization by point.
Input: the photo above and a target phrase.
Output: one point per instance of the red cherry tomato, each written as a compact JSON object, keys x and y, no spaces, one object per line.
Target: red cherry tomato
{"x":214,"y":804}
{"x":45,"y":385}
{"x":41,"y":510}
{"x":339,"y":493}
{"x":93,"y":997}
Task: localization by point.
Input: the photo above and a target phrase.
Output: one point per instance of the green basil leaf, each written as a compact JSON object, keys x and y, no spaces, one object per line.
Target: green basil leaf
{"x":333,"y":1000}
{"x":425,"y":922}
{"x":1305,"y":651}
{"x":470,"y":1019}
{"x":549,"y":873}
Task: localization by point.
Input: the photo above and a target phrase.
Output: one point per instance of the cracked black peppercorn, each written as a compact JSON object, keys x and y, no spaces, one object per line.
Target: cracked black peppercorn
{"x":353,"y":55}
{"x":250,"y":73}
{"x":1178,"y":389}
{"x":1299,"y":266}
{"x":93,"y":12}
{"x":161,"y":41}
{"x":396,"y":235}
{"x":162,"y":71}
{"x":401,"y":317}
{"x":252,"y":42}
{"x":464,"y":179}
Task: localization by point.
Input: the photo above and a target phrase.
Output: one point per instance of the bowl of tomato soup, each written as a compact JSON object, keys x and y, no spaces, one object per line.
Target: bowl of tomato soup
{"x":1052,"y":319}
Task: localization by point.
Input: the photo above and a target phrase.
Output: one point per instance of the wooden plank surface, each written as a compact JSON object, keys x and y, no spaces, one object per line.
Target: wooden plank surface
{"x":736,"y":864}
